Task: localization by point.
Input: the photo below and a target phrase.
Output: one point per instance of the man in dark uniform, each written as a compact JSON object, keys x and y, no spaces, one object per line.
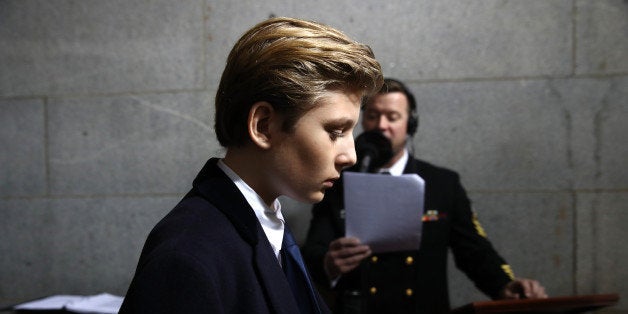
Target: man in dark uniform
{"x":413,"y":281}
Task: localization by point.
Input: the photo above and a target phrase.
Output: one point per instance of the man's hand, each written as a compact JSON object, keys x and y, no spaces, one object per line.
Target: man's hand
{"x":522,"y":288}
{"x":344,"y":255}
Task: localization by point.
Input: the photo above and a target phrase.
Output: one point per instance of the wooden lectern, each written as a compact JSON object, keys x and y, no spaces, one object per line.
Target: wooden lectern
{"x":563,"y":304}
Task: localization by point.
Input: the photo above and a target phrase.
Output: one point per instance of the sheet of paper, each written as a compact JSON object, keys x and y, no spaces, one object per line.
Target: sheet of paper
{"x":384,"y":211}
{"x":55,"y":302}
{"x":103,"y":303}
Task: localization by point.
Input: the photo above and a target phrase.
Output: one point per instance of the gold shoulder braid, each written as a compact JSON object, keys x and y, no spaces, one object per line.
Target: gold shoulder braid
{"x":508,"y":270}
{"x":478,"y":227}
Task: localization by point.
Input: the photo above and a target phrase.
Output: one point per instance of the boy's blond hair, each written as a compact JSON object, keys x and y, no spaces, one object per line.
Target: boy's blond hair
{"x":291,"y":64}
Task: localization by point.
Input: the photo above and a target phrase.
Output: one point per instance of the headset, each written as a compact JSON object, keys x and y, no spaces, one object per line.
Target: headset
{"x":393,"y":85}
{"x":413,"y":122}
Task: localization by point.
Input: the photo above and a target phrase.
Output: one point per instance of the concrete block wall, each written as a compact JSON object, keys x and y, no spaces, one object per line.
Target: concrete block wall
{"x":106,"y":115}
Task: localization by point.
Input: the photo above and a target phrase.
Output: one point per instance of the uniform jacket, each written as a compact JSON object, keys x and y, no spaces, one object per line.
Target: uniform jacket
{"x":416,"y":281}
{"x":210,"y":255}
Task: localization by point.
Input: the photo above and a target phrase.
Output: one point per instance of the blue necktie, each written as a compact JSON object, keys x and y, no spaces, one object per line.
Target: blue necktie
{"x":296,"y":273}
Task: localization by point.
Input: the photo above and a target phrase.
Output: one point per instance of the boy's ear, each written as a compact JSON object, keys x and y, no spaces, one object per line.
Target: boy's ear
{"x":261,"y":115}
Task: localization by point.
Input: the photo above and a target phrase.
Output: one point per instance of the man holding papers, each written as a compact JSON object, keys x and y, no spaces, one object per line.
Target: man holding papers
{"x":410,"y":281}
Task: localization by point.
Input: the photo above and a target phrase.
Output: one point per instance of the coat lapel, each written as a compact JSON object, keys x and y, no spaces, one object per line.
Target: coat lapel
{"x":216,"y":187}
{"x":273,"y":279}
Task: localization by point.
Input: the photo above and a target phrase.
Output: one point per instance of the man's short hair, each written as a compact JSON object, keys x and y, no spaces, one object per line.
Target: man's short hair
{"x":291,"y":64}
{"x":392,"y":85}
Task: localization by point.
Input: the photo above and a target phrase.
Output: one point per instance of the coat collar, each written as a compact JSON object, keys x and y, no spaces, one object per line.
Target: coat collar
{"x":411,"y":166}
{"x":215,"y":186}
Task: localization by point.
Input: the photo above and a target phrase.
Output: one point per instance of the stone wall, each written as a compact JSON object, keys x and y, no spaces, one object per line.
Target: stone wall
{"x":106,"y":115}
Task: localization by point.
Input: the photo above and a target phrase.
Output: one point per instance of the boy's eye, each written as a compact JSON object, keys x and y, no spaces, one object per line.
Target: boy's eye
{"x":335,"y":134}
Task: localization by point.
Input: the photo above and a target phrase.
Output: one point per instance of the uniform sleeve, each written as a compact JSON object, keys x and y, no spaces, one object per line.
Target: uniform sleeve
{"x":473,"y":252}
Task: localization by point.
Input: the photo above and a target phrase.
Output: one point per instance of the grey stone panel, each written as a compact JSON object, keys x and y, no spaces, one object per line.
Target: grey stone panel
{"x":602,"y":37}
{"x":498,"y":135}
{"x":25,"y":228}
{"x":424,"y":39}
{"x":461,"y":290}
{"x":109,"y":233}
{"x":129,"y":144}
{"x":227,"y":22}
{"x":533,"y":232}
{"x":597,"y":112}
{"x":601,"y":236}
{"x":61,"y":47}
{"x":74,"y":246}
{"x":22,"y":148}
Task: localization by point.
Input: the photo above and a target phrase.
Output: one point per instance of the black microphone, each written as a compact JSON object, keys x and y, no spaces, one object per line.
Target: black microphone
{"x":373,"y":150}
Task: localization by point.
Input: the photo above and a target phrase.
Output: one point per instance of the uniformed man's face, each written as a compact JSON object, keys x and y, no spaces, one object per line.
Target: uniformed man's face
{"x":389,"y":114}
{"x":309,"y":159}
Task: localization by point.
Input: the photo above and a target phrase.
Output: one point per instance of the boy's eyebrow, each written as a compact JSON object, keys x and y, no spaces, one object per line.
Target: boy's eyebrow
{"x":340,"y":122}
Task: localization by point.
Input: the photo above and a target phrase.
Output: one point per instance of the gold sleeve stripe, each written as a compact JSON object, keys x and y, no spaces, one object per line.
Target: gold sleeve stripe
{"x":478,"y":227}
{"x":506,"y":268}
